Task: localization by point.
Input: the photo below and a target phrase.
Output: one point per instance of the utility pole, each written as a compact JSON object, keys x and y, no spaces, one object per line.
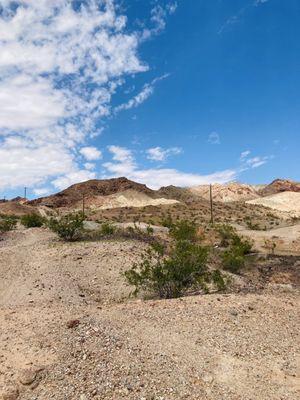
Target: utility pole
{"x":211,"y":204}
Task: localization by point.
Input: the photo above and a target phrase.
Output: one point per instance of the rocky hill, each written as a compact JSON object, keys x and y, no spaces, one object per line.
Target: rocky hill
{"x":91,"y":189}
{"x":226,"y":193}
{"x":278,"y":186}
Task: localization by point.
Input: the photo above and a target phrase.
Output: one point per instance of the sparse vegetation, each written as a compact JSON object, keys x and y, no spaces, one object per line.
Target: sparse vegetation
{"x":32,"y":221}
{"x":107,"y":229}
{"x":68,"y":227}
{"x":171,"y":274}
{"x":7,"y":223}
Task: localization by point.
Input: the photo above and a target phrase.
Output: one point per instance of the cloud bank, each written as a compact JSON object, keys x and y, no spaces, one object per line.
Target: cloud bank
{"x":60,"y":64}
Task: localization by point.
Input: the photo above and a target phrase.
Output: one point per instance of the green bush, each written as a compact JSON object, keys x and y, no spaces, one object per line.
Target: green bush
{"x":68,"y":227}
{"x":227,"y":233}
{"x":107,"y":229}
{"x":184,"y":230}
{"x":7,"y":223}
{"x":234,"y":257}
{"x":233,"y":260}
{"x":32,"y":221}
{"x":172,"y":274}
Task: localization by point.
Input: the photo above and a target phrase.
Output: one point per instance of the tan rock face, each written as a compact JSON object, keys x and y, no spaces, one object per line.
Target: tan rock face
{"x":226,"y":193}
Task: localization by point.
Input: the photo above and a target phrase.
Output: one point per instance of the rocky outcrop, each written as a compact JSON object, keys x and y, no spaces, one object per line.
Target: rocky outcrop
{"x":280,"y":185}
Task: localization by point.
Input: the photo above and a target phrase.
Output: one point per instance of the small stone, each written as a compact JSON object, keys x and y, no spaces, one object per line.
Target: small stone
{"x":27,"y":377}
{"x":73,"y":323}
{"x":10,"y":393}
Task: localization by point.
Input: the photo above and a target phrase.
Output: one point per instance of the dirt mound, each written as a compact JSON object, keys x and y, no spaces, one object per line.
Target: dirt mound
{"x":90,"y":189}
{"x":280,"y":185}
{"x":15,"y":208}
{"x":226,"y":193}
{"x":286,"y":202}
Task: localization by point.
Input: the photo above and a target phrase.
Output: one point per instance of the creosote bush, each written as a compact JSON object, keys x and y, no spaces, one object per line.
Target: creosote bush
{"x":69,"y":227}
{"x":32,"y":221}
{"x":7,"y":223}
{"x":107,"y":229}
{"x":172,"y":274}
{"x":234,"y":257}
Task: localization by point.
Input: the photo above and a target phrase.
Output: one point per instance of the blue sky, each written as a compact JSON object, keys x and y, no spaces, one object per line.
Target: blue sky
{"x":163,"y":92}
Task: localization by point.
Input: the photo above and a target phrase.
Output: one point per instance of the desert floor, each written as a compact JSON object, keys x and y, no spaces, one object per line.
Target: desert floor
{"x":69,"y":331}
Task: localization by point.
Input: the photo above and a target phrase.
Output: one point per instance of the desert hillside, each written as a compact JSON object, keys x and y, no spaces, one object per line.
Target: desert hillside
{"x":89,"y":189}
{"x":278,"y":186}
{"x":226,"y":193}
{"x":285,"y":201}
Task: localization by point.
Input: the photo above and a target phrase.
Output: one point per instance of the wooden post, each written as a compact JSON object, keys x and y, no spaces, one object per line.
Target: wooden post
{"x":211,"y":205}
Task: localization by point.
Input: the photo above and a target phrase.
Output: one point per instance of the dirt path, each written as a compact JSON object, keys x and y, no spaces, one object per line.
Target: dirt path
{"x":236,"y":347}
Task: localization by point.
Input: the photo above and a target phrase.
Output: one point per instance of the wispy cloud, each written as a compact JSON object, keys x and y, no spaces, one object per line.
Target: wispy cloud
{"x":160,"y":154}
{"x":236,"y":18}
{"x":250,"y":162}
{"x":142,"y":96}
{"x":159,"y":16}
{"x":214,"y":138}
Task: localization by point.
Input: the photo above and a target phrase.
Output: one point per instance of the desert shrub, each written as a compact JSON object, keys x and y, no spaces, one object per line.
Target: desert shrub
{"x":7,"y":223}
{"x":184,"y":230}
{"x":32,"y":221}
{"x":149,"y":230}
{"x":234,"y":257}
{"x":219,"y":280}
{"x":227,"y":233}
{"x":232,"y":260}
{"x":167,"y":221}
{"x":171,"y":274}
{"x":68,"y":227}
{"x":107,"y":229}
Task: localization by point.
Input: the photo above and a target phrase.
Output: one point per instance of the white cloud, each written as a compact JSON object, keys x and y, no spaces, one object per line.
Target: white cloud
{"x":160,"y":154}
{"x":59,"y":68}
{"x":252,"y":162}
{"x":258,"y":2}
{"x":124,"y":164}
{"x":255,"y":162}
{"x":89,"y":166}
{"x":71,"y":178}
{"x":245,"y":154}
{"x":214,"y":138}
{"x":91,"y":153}
{"x":159,"y":15}
{"x":41,"y":191}
{"x":142,"y":96}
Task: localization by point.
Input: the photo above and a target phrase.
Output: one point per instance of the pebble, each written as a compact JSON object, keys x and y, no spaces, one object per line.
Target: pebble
{"x":10,"y":393}
{"x":27,"y":377}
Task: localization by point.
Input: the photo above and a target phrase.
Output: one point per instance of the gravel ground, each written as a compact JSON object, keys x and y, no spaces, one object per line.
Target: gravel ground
{"x":68,"y":331}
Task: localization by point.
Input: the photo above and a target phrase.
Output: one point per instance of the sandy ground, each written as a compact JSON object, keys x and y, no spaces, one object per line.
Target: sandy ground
{"x":287,"y":239}
{"x":68,"y":331}
{"x":286,"y":202}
